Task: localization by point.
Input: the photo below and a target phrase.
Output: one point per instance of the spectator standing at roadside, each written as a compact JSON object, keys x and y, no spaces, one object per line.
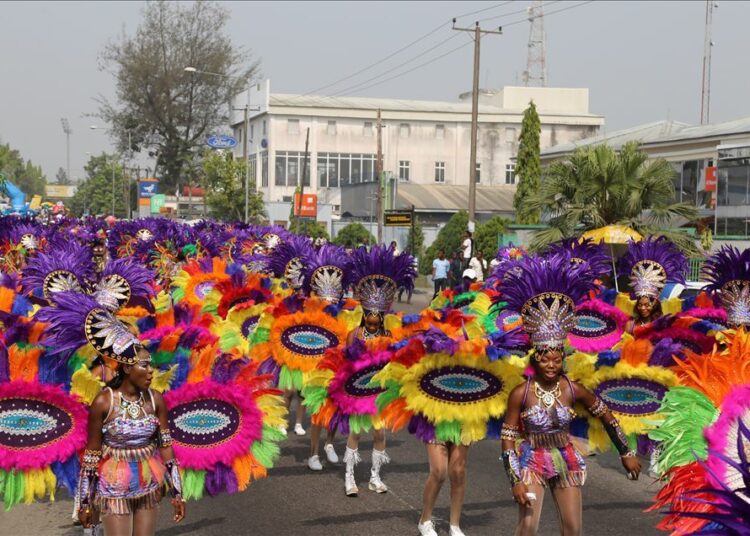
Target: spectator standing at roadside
{"x":440,"y":268}
{"x":467,"y":248}
{"x":479,"y":264}
{"x":454,"y":275}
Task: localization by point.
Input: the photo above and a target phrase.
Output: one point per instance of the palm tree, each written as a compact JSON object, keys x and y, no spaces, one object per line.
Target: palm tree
{"x":598,"y":186}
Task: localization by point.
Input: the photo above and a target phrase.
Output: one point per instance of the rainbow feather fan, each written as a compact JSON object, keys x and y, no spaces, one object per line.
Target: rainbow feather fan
{"x":225,"y":428}
{"x":338,"y":393}
{"x":196,"y":280}
{"x":445,"y":390}
{"x":298,"y":341}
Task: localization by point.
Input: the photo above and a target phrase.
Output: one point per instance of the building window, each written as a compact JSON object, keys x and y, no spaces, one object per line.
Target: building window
{"x":264,"y":169}
{"x":440,"y":172}
{"x":289,"y":168}
{"x":264,"y":127}
{"x":331,"y":130}
{"x":478,"y":173}
{"x":253,"y":167}
{"x":336,"y":170}
{"x":292,"y":126}
{"x":404,"y":130}
{"x":286,"y":198}
{"x":403,"y":170}
{"x":439,"y":132}
{"x":510,"y":173}
{"x":252,"y":132}
{"x":238,"y":136}
{"x":367,"y":132}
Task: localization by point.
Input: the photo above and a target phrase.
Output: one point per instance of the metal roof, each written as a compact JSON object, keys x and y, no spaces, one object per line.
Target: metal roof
{"x":452,"y":198}
{"x":658,"y":132}
{"x":400,"y":105}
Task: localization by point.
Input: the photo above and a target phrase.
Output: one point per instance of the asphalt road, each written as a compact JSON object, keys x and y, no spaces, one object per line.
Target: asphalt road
{"x":296,"y":501}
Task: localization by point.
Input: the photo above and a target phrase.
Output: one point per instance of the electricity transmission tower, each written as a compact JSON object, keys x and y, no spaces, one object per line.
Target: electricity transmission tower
{"x":536,"y":59}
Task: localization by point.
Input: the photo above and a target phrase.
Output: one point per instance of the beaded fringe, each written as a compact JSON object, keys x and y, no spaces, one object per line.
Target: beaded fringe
{"x":128,"y":506}
{"x":557,"y":440}
{"x":571,"y":479}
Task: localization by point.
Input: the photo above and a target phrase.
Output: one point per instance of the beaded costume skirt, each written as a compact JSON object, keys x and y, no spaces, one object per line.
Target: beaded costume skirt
{"x":129,"y":479}
{"x":552,"y":466}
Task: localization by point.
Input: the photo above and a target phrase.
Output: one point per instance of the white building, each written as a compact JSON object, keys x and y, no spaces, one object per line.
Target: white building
{"x":423,"y":142}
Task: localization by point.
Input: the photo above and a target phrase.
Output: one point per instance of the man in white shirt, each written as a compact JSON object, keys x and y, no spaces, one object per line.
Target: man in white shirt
{"x":479,"y":265}
{"x":467,"y":247}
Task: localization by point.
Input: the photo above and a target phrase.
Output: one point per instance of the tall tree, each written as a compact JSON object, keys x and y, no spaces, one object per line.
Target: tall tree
{"x":486,"y":236}
{"x":528,"y":167}
{"x":353,"y":235}
{"x":94,"y":195}
{"x":415,"y":240}
{"x":224,"y":184}
{"x":159,"y":104}
{"x":61,"y":177}
{"x":23,"y":173}
{"x":598,"y":186}
{"x":448,"y":239}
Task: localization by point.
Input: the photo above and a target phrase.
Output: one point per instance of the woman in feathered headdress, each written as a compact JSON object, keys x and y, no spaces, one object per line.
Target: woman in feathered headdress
{"x":122,"y":473}
{"x":728,"y":274}
{"x":651,"y":264}
{"x":377,"y":276}
{"x":545,"y":292}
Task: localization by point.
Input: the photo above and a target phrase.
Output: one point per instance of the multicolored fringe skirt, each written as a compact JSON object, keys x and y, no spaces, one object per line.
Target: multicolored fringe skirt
{"x":129,"y":479}
{"x":555,"y":467}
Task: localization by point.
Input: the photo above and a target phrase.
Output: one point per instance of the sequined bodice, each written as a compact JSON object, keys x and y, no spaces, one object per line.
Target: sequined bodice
{"x":124,"y":432}
{"x":538,"y":420}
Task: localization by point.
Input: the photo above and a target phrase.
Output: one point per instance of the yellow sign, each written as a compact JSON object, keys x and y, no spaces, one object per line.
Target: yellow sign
{"x":36,"y":202}
{"x":59,"y":191}
{"x":398,"y":219}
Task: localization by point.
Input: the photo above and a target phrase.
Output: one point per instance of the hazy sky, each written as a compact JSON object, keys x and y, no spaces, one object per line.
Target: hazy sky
{"x":641,"y":60}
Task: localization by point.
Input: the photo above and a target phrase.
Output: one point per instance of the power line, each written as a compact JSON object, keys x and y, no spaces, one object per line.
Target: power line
{"x":428,"y":62}
{"x":516,"y":12}
{"x":405,"y":47}
{"x":520,"y":21}
{"x":387,"y":71}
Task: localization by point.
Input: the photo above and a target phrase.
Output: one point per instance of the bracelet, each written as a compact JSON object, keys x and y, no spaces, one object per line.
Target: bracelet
{"x":172,"y":476}
{"x":599,"y":408}
{"x":509,"y":432}
{"x":512,"y":466}
{"x":629,"y":454}
{"x":164,"y":438}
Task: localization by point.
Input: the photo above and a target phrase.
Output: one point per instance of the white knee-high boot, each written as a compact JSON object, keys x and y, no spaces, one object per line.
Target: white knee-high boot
{"x":351,"y":458}
{"x":379,"y":458}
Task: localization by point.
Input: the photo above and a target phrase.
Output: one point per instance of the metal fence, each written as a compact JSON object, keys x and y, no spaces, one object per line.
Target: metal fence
{"x":695,"y":272}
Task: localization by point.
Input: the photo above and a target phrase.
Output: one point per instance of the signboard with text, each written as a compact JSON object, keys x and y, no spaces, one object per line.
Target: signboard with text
{"x":711,"y":179}
{"x":398,"y":219}
{"x":148,"y":188}
{"x":59,"y":190}
{"x":307,"y":206}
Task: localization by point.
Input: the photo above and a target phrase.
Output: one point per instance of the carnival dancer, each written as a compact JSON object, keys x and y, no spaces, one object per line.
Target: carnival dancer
{"x":728,"y":275}
{"x":128,"y":457}
{"x":545,"y":292}
{"x":651,"y":264}
{"x":378,"y":274}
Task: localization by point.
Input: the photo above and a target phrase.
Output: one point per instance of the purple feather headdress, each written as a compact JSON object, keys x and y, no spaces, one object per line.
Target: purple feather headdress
{"x":545,"y":291}
{"x":327,"y":274}
{"x":79,"y":319}
{"x":728,"y":275}
{"x":378,"y":274}
{"x":65,"y":267}
{"x":289,"y":259}
{"x":652,"y":263}
{"x":121,"y":281}
{"x":585,"y":250}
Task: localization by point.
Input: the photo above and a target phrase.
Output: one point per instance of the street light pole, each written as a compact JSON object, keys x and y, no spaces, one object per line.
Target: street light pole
{"x":246,"y":128}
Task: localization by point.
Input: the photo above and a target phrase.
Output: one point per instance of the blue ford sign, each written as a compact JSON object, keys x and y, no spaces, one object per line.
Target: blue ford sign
{"x":222,"y":141}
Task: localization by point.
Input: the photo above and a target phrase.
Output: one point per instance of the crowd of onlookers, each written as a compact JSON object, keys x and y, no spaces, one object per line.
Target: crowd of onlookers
{"x":464,"y":267}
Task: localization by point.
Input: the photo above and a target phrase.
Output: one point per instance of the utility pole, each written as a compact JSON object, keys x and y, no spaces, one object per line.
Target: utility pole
{"x":379,"y":174}
{"x":477,"y":31}
{"x":246,"y":150}
{"x":302,"y":177}
{"x":706,"y":75}
{"x":68,"y":131}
